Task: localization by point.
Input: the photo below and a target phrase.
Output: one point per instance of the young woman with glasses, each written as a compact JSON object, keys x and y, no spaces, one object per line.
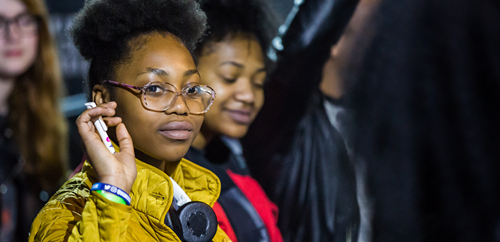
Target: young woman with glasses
{"x":147,"y":89}
{"x":232,"y":59}
{"x":32,"y":130}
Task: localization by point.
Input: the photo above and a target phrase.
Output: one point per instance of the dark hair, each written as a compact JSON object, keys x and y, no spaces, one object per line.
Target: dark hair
{"x":427,"y":122}
{"x":103,"y":28}
{"x":228,"y":18}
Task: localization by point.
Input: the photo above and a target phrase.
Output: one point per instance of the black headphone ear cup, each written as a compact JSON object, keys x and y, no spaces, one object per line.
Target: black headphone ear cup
{"x":199,"y":222}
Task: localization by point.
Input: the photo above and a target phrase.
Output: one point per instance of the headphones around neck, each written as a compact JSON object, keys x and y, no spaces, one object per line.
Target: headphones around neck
{"x":191,"y":221}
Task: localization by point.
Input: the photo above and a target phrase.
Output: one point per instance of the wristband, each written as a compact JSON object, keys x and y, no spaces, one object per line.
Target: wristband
{"x":112,"y":189}
{"x":112,"y":197}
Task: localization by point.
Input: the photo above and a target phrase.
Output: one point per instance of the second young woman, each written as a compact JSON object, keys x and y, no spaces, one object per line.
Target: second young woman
{"x":232,"y":59}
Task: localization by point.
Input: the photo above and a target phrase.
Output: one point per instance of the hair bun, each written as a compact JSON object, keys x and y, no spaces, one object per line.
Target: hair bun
{"x":102,"y":23}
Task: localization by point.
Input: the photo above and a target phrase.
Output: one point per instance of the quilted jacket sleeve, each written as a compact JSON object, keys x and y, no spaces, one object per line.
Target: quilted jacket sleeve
{"x":99,"y":220}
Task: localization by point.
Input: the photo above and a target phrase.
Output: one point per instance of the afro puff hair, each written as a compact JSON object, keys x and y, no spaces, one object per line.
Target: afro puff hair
{"x":103,"y":28}
{"x":101,"y":24}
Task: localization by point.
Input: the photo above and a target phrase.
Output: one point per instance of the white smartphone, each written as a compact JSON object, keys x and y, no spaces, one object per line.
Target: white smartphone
{"x":101,"y":129}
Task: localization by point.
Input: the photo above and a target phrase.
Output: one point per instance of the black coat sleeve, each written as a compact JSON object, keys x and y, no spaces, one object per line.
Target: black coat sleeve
{"x":312,"y":28}
{"x":291,"y":148}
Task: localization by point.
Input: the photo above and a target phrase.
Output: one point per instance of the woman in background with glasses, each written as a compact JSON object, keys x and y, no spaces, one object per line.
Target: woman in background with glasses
{"x":147,"y":89}
{"x":32,"y":130}
{"x":232,"y":59}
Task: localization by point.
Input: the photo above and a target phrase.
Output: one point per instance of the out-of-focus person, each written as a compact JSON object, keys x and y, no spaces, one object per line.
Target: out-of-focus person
{"x":293,"y":148}
{"x":232,"y":59}
{"x":32,"y":130}
{"x":426,"y":103}
{"x":346,"y":56}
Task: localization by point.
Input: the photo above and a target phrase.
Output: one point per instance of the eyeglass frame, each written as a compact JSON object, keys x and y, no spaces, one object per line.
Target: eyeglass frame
{"x":15,"y":20}
{"x":177,"y":93}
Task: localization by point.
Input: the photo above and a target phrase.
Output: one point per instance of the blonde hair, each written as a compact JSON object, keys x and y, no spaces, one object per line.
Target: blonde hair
{"x":39,"y":127}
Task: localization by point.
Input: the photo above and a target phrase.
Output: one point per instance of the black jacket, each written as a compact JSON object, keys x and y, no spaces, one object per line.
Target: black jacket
{"x":291,"y":148}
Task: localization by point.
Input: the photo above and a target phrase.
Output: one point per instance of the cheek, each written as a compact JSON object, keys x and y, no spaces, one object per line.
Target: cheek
{"x":197,"y":122}
{"x":15,"y":66}
{"x":31,"y":48}
{"x":129,"y":108}
{"x":223,"y":94}
{"x":259,"y":100}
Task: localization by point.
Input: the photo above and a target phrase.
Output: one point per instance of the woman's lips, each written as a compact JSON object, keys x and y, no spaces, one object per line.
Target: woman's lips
{"x":241,"y":116}
{"x":178,"y":130}
{"x":12,"y":53}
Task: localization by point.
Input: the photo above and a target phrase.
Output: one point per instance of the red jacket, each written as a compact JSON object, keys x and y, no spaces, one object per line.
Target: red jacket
{"x":267,"y":210}
{"x":243,"y":209}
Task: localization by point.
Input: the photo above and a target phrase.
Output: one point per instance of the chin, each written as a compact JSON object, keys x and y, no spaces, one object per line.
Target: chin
{"x":175,"y":153}
{"x":170,"y":153}
{"x":13,"y":71}
{"x":235,"y":131}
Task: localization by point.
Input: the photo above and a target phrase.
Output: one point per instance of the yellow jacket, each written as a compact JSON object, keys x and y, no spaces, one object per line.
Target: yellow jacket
{"x":75,"y":213}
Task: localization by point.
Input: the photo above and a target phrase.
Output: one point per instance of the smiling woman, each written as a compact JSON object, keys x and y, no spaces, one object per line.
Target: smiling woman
{"x":232,"y":59}
{"x":138,"y":64}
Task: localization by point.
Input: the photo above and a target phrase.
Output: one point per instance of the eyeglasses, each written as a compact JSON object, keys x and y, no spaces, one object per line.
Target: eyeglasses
{"x":160,"y":96}
{"x":27,"y":24}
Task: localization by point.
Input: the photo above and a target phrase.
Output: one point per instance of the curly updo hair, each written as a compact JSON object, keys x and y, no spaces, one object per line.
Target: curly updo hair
{"x":229,"y":18}
{"x":103,"y":28}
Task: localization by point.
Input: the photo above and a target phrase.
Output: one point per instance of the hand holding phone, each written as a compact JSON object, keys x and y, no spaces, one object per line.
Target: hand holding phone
{"x":101,"y":129}
{"x":118,"y":169}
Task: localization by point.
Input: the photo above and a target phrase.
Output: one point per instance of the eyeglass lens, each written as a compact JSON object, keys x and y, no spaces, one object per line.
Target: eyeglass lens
{"x":160,"y":96}
{"x":25,"y":24}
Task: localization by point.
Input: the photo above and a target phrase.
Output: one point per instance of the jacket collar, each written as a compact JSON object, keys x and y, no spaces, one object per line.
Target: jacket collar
{"x":152,"y":191}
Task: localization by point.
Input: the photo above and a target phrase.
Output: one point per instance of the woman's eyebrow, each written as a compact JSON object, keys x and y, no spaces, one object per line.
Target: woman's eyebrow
{"x":155,"y":71}
{"x":263,"y":69}
{"x":232,"y":63}
{"x":191,"y":72}
{"x":25,"y":12}
{"x":161,"y":72}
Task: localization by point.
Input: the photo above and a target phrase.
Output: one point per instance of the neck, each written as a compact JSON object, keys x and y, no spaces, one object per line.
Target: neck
{"x":203,"y":138}
{"x":169,"y":167}
{"x":6,"y":86}
{"x":166,"y":166}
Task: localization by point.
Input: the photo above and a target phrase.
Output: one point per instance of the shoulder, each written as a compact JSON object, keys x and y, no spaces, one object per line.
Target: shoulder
{"x":64,"y":209}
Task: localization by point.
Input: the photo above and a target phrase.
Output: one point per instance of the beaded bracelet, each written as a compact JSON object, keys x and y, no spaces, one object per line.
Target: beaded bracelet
{"x":112,"y":189}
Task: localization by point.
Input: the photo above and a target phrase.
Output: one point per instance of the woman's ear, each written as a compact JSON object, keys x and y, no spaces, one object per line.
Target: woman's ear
{"x":100,"y":94}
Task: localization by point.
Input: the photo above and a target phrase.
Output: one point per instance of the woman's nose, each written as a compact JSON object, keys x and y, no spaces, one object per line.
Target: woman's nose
{"x":179,"y":107}
{"x":245,"y":91}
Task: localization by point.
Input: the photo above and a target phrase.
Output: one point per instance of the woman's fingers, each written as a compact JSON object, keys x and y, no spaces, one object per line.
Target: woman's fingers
{"x":124,"y":140}
{"x":112,"y":121}
{"x":111,"y":105}
{"x":86,"y":127}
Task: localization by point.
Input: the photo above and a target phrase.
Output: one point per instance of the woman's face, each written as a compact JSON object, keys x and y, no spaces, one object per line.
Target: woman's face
{"x":162,"y":136}
{"x":235,"y":69}
{"x":18,"y":43}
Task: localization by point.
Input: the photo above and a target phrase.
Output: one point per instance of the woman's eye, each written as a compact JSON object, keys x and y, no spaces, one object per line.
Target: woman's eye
{"x":26,"y":20}
{"x":229,"y":80}
{"x":258,"y":84}
{"x":154,"y":89}
{"x":194,"y":92}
